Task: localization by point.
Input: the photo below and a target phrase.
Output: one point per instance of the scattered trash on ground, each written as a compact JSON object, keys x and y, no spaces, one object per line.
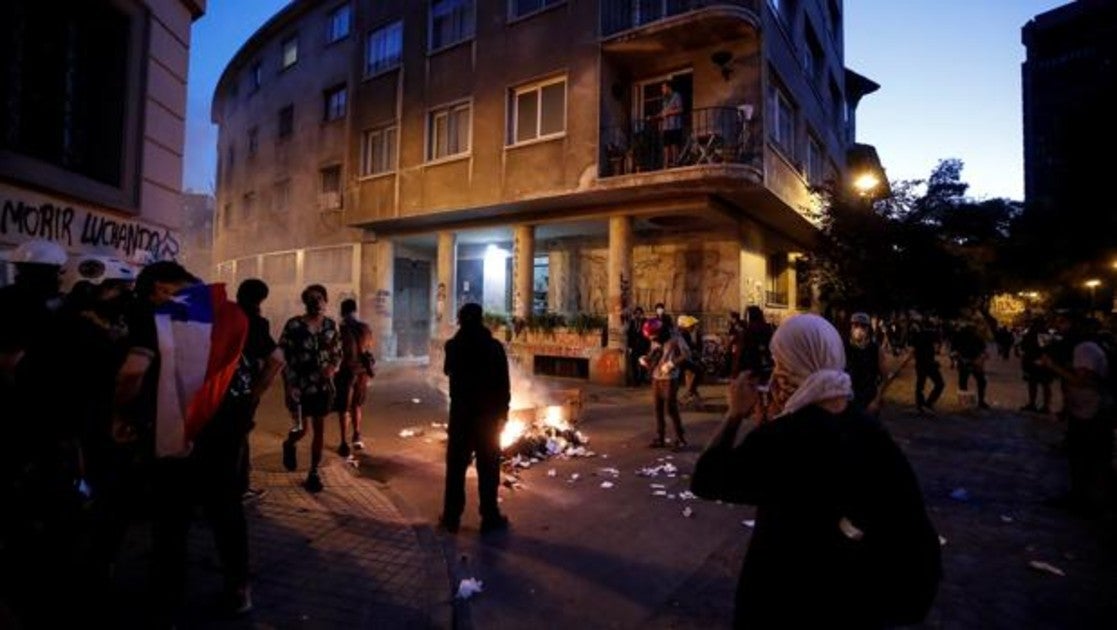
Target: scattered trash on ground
{"x":1005,"y":518}
{"x":666,"y":469}
{"x":960,"y":494}
{"x":416,"y":400}
{"x":440,"y":425}
{"x":1046,"y":567}
{"x":687,"y":512}
{"x":469,"y":587}
{"x":942,"y":541}
{"x":749,"y":523}
{"x":606,"y":484}
{"x":573,"y":477}
{"x":552,"y":473}
{"x":411,"y":432}
{"x":609,"y":472}
{"x":687,"y":495}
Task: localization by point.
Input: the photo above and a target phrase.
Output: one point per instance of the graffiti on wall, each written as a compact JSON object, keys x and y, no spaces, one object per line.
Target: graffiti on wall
{"x":25,"y":216}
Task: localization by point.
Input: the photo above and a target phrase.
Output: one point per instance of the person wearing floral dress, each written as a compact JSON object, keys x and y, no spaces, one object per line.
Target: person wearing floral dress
{"x":312,"y":351}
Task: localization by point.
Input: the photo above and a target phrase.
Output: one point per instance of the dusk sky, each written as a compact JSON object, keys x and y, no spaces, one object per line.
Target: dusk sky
{"x":949,"y":72}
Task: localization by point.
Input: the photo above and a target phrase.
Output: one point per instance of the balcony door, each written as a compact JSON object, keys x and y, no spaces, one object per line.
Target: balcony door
{"x":649,"y":98}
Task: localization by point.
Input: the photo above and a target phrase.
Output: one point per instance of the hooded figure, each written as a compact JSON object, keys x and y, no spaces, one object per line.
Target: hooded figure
{"x":842,"y":538}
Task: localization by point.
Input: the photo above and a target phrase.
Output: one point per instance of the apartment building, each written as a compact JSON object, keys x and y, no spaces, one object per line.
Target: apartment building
{"x":92,"y":124}
{"x":522,"y":154}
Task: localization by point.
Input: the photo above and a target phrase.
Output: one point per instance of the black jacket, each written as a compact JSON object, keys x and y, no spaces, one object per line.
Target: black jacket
{"x":480,"y":390}
{"x":806,"y":472}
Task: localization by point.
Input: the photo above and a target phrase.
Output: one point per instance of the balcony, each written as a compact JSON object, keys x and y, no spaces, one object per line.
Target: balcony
{"x":713,"y":135}
{"x":618,"y":16}
{"x":776,"y":299}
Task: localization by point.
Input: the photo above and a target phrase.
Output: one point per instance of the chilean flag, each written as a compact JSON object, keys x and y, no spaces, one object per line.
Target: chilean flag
{"x":201,"y":335}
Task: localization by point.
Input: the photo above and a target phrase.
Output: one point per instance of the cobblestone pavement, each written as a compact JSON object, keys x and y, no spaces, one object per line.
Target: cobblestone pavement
{"x":349,"y":557}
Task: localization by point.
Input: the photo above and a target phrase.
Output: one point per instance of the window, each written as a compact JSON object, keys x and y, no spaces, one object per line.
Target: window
{"x":779,"y":279}
{"x":229,"y":159}
{"x":255,"y":77}
{"x":253,"y":140}
{"x":520,"y":8}
{"x":71,"y":96}
{"x":334,"y":100}
{"x":248,"y":205}
{"x":781,"y":118}
{"x":451,"y":22}
{"x":286,"y":121}
{"x":281,"y":196}
{"x":836,"y":106}
{"x":378,"y":151}
{"x":290,"y":52}
{"x":384,"y":48}
{"x":816,"y":161}
{"x":329,"y":195}
{"x":538,"y":110}
{"x":227,"y":216}
{"x":448,"y":131}
{"x":814,"y":59}
{"x":337,"y":28}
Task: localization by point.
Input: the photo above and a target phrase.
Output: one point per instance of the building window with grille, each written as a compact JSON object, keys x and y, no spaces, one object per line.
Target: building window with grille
{"x":378,"y":151}
{"x":337,"y":27}
{"x":71,"y":97}
{"x":286,"y":121}
{"x":329,"y":188}
{"x":448,"y":131}
{"x":520,"y":8}
{"x":253,"y":140}
{"x":384,"y":49}
{"x":290,"y":52}
{"x":335,"y":100}
{"x":451,"y":21}
{"x":538,"y":111}
{"x":781,"y":120}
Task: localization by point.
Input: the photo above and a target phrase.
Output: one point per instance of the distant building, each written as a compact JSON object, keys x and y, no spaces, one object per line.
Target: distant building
{"x":92,"y":117}
{"x":1069,"y":83}
{"x":197,"y":234}
{"x":418,"y":155}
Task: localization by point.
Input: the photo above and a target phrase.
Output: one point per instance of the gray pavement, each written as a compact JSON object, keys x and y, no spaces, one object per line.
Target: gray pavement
{"x":364,"y":552}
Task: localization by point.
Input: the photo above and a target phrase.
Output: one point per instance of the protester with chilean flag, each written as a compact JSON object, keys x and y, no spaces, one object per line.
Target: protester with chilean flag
{"x":185,"y":341}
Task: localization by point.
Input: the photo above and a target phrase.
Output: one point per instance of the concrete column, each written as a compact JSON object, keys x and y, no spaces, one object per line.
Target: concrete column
{"x":377,"y":291}
{"x":561,"y":281}
{"x":523,"y":270}
{"x":792,"y":285}
{"x":619,"y":289}
{"x":445,"y":297}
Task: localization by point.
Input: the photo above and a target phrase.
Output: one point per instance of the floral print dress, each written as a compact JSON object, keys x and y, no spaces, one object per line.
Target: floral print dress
{"x":308,"y":353}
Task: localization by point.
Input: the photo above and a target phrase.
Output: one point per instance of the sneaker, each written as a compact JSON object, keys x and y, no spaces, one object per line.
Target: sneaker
{"x":494,"y":524}
{"x":290,"y":460}
{"x":358,"y":444}
{"x":313,"y":482}
{"x":253,"y":494}
{"x":343,"y":450}
{"x":657,"y":443}
{"x":449,"y":526}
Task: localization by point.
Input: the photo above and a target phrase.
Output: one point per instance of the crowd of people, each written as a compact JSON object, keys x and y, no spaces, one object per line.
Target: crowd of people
{"x":100,"y":436}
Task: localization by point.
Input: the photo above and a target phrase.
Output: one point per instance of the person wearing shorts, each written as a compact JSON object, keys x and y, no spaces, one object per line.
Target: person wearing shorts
{"x":352,"y":379}
{"x":312,"y":352}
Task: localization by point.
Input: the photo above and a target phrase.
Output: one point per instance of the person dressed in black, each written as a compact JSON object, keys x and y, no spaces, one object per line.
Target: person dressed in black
{"x":865,"y":363}
{"x":1005,"y":340}
{"x":637,"y":346}
{"x":1032,"y":346}
{"x":755,"y":355}
{"x":480,"y":392}
{"x":352,"y":378}
{"x":970,"y":348}
{"x":261,"y":362}
{"x":842,"y":537}
{"x":924,"y":343}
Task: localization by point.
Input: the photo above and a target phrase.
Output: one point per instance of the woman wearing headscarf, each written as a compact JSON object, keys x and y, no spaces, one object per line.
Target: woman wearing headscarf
{"x":842,"y":538}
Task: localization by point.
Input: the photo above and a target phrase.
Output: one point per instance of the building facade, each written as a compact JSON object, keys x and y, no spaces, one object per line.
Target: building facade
{"x":526,"y":154}
{"x":92,"y":124}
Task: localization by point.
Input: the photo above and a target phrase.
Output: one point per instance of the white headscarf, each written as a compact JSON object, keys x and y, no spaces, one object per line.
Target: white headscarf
{"x":810,"y":360}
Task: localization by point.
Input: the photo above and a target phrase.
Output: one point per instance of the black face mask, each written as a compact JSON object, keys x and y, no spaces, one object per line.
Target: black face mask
{"x":313,"y":306}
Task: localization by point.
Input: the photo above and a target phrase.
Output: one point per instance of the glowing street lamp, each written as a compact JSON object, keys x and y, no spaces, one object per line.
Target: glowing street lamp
{"x":1093,"y":284}
{"x":866,"y":183}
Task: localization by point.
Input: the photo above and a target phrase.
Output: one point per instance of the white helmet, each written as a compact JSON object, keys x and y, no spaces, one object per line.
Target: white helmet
{"x":95,"y":270}
{"x":38,"y":252}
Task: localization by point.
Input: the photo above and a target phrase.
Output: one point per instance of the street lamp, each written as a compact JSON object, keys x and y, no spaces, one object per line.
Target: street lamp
{"x":866,"y":183}
{"x":1093,"y":284}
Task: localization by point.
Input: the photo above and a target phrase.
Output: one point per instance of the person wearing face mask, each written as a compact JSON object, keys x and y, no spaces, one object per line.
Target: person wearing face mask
{"x":865,"y":364}
{"x":842,"y":538}
{"x":661,"y":313}
{"x":312,"y":350}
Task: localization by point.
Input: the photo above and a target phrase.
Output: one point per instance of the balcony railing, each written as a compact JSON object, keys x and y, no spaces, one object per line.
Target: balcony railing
{"x":711,"y":135}
{"x":622,"y":15}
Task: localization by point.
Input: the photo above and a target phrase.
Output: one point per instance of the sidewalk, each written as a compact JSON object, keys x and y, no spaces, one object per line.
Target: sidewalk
{"x":351,"y":556}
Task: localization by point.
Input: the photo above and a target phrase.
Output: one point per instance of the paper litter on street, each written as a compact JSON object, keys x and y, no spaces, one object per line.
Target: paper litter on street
{"x":687,"y":512}
{"x":687,"y":495}
{"x":552,"y":473}
{"x":1047,"y":567}
{"x":411,"y":432}
{"x":416,"y":400}
{"x":606,"y":484}
{"x":469,"y":587}
{"x":748,"y":522}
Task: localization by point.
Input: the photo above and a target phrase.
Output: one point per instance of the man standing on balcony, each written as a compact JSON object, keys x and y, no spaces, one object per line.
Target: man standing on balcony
{"x":670,"y":118}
